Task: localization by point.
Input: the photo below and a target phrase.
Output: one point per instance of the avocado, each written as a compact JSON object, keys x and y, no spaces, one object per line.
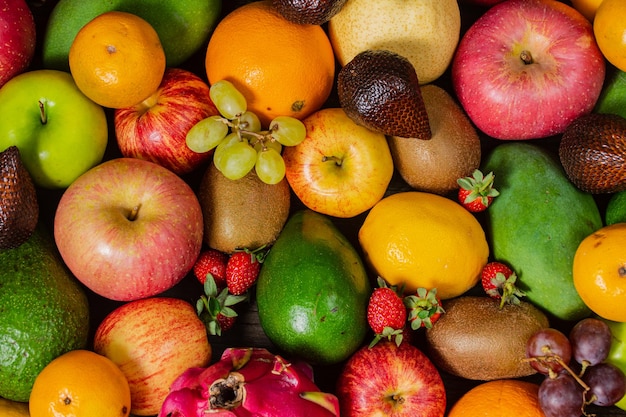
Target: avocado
{"x":44,"y":313}
{"x":536,"y":224}
{"x":312,"y":291}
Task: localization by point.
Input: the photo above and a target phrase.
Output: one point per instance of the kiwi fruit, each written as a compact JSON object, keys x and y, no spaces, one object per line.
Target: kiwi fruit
{"x":244,"y":213}
{"x":308,"y":12}
{"x":453,"y":152}
{"x":476,"y":339}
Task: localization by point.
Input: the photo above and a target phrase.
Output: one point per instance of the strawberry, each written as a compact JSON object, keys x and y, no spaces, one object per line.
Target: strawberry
{"x":424,"y":308}
{"x":211,"y":261}
{"x":386,"y":314}
{"x":498,"y":281}
{"x":242,"y":269}
{"x":476,"y":193}
{"x":215,"y":309}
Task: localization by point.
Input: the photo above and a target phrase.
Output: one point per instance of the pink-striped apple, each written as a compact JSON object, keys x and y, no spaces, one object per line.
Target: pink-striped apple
{"x":153,"y":341}
{"x":17,"y":38}
{"x":340,"y":169}
{"x":390,"y":380}
{"x":129,"y":229}
{"x":155,"y":129}
{"x":526,"y":69}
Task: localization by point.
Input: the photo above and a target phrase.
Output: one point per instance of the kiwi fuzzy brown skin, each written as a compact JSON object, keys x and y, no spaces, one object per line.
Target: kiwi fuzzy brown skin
{"x":475,"y":339}
{"x":309,"y":12}
{"x":241,"y":214}
{"x":453,"y":152}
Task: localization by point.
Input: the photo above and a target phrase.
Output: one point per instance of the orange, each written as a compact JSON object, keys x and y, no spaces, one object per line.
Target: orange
{"x":499,"y":398}
{"x":419,"y":239}
{"x":609,"y":27}
{"x":599,"y":272}
{"x":282,"y":68}
{"x":587,"y":7}
{"x":117,"y":60}
{"x":80,"y":383}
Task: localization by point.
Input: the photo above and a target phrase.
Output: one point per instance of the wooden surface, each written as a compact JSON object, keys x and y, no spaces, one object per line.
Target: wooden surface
{"x":247,"y":331}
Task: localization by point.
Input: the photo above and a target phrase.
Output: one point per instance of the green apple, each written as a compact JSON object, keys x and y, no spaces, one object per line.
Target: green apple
{"x":612,"y":99}
{"x":617,"y":354}
{"x":182,"y":25}
{"x":59,"y":131}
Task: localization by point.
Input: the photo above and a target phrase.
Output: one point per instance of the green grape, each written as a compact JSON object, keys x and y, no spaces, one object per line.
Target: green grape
{"x":250,"y":122}
{"x":237,"y":160}
{"x":273,"y":144}
{"x":287,"y":130}
{"x":206,"y":134}
{"x":220,"y":153}
{"x":270,"y":166}
{"x":228,"y":100}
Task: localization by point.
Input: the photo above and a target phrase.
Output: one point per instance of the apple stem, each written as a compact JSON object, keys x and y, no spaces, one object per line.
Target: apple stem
{"x":42,"y":113}
{"x":132,"y":216}
{"x":337,"y":161}
{"x":526,"y":57}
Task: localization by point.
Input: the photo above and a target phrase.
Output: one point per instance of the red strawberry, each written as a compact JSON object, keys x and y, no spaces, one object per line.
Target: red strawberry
{"x":424,"y":308}
{"x":386,"y":314}
{"x":477,"y":192}
{"x":498,"y":281}
{"x":211,"y":261}
{"x":242,"y":270}
{"x":215,"y":309}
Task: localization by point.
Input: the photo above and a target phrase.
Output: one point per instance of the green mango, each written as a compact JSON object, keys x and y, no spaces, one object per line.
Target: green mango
{"x":612,"y":99}
{"x":536,"y":224}
{"x":44,"y":313}
{"x":312,"y":291}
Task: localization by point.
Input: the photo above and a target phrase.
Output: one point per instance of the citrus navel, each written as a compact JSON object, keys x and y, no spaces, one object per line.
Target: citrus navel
{"x":80,"y":383}
{"x":419,"y":239}
{"x":117,"y":59}
{"x":599,"y":271}
{"x":500,"y":398}
{"x":609,"y":27}
{"x":282,"y":68}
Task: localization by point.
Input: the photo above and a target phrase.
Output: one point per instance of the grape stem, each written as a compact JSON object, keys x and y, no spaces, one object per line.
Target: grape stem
{"x":240,"y":128}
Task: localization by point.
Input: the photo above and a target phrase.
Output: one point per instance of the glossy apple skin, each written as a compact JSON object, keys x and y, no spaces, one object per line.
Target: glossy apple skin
{"x":74,"y":137}
{"x":372,"y":376}
{"x":120,"y":257}
{"x":340,"y":169}
{"x":17,"y":38}
{"x":153,"y":341}
{"x":155,"y":129}
{"x":508,"y":99}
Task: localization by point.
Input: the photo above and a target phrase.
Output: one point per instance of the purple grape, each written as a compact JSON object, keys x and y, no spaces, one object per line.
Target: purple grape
{"x":561,"y":396}
{"x":547,"y":345}
{"x":591,"y":340}
{"x":607,"y":382}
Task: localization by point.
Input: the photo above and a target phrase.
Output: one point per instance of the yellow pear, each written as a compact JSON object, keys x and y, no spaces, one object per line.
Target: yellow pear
{"x":426,"y":32}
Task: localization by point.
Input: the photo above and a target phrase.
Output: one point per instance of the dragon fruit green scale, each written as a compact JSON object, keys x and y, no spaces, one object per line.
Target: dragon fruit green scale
{"x":249,"y":382}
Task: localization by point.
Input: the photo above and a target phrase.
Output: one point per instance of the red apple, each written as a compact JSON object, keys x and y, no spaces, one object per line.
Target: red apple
{"x":527,"y":68}
{"x":129,"y":229}
{"x":341,"y":169}
{"x":387,"y":380}
{"x":17,"y":38}
{"x":153,"y":341}
{"x":155,"y":129}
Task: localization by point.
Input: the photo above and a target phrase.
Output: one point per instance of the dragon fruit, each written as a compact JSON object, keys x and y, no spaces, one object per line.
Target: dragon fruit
{"x":249,"y":382}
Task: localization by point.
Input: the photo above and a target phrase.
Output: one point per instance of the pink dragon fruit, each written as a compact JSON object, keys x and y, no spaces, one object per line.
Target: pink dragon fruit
{"x":249,"y":382}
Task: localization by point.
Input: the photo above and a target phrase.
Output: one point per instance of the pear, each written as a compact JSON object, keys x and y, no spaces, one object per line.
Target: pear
{"x":593,"y":153}
{"x":19,"y":208}
{"x":309,"y":12}
{"x":453,"y":152}
{"x":379,"y":89}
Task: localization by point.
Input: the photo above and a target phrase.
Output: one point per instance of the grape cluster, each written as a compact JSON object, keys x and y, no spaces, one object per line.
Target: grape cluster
{"x":238,"y":139}
{"x":575,"y":368}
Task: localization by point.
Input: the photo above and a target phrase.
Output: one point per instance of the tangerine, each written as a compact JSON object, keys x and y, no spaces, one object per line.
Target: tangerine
{"x":609,"y":28}
{"x":587,"y":7}
{"x":500,"y":398}
{"x":282,"y":68}
{"x":418,"y":239}
{"x":80,"y":383}
{"x":117,"y":59}
{"x":599,"y":271}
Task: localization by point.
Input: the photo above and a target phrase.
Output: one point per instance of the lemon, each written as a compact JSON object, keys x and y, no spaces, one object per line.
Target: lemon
{"x":419,"y":239}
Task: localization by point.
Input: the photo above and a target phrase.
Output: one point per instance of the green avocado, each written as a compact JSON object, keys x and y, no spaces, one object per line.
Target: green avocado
{"x":312,"y":291}
{"x":43,"y":313}
{"x":536,"y":224}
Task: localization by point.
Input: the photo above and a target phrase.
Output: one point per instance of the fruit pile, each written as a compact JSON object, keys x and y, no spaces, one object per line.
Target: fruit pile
{"x":320,"y":207}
